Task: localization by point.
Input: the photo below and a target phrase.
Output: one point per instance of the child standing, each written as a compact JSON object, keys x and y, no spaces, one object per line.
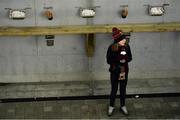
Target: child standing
{"x":118,"y":56}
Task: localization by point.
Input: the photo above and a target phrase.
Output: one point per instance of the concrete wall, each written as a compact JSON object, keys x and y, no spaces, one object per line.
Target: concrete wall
{"x":29,"y":59}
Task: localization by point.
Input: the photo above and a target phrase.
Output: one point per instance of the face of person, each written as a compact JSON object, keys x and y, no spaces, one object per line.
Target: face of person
{"x":122,"y":42}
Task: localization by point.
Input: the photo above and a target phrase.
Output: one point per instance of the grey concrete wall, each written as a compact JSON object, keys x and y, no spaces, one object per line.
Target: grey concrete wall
{"x":29,"y":59}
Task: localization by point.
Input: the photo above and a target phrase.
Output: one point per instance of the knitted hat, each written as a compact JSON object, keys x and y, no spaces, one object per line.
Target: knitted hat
{"x":117,"y":34}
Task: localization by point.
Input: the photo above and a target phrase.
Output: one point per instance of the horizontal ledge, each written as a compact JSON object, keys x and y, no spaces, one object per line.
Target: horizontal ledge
{"x":84,"y":29}
{"x":90,"y":97}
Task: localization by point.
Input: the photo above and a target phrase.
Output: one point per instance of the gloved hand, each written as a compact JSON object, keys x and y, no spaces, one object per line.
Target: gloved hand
{"x":122,"y":61}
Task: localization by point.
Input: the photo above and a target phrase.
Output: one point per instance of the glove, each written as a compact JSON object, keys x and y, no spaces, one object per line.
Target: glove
{"x":122,"y":61}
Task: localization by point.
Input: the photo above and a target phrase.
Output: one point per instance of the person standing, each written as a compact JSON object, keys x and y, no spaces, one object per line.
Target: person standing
{"x":118,"y":56}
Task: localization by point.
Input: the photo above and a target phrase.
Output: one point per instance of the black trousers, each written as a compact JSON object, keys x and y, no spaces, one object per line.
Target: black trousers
{"x":114,"y":87}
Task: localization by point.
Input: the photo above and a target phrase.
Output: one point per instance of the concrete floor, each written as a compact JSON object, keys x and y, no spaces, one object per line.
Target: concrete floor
{"x":157,"y":107}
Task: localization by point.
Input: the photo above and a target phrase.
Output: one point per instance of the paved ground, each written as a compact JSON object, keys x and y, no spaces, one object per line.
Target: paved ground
{"x":155,"y":108}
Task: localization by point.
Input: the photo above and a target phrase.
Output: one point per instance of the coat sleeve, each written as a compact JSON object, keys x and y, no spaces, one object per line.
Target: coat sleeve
{"x":109,"y":55}
{"x":129,"y":53}
{"x":109,"y":58}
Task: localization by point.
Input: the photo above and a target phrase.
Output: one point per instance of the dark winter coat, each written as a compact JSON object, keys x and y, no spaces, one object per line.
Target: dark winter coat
{"x":114,"y":57}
